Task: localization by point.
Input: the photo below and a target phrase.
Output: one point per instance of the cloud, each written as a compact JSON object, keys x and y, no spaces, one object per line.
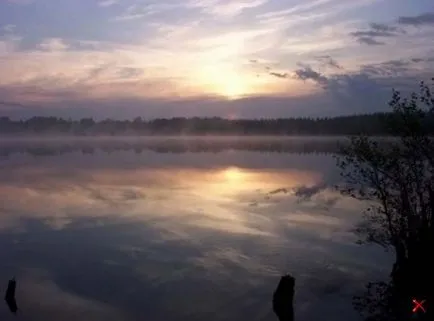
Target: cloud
{"x":381,"y":27}
{"x":307,"y":73}
{"x":11,"y":104}
{"x":371,"y":85}
{"x":279,"y":75}
{"x":373,"y":33}
{"x":296,"y":9}
{"x":278,"y":190}
{"x":329,"y":62}
{"x":107,"y":3}
{"x":376,"y":30}
{"x":8,"y":45}
{"x":347,"y":85}
{"x":306,"y":192}
{"x":225,"y":7}
{"x":323,"y":40}
{"x":113,"y":71}
{"x":217,"y":8}
{"x":129,"y":72}
{"x":53,"y":44}
{"x":133,"y":12}
{"x":188,"y":50}
{"x":43,"y":298}
{"x":9,"y":28}
{"x":390,"y":68}
{"x":370,"y":41}
{"x":129,"y":17}
{"x":424,"y":19}
{"x":121,"y":92}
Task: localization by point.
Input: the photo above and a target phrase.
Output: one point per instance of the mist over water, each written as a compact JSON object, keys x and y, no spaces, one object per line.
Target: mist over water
{"x":178,"y":229}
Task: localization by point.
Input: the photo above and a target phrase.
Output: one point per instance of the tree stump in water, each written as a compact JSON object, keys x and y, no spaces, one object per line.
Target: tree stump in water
{"x":283,"y":299}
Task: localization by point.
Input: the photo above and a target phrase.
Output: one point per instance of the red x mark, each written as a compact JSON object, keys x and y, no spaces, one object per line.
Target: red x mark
{"x":418,"y":305}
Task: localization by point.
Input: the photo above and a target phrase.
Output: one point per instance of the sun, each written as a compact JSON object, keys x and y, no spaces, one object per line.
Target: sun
{"x":225,"y":81}
{"x":234,"y":88}
{"x":233,"y":174}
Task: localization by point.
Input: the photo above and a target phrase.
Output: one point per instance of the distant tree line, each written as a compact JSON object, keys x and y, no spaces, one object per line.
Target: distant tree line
{"x":370,"y":124}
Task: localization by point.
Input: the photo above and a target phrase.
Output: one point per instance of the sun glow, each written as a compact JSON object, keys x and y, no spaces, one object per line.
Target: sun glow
{"x":234,"y":175}
{"x":234,"y":88}
{"x":226,"y":81}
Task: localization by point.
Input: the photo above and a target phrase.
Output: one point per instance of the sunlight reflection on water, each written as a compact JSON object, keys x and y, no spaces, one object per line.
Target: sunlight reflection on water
{"x":177,"y":236}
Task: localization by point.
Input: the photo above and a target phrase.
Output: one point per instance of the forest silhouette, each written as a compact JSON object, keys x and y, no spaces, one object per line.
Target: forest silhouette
{"x":369,"y":124}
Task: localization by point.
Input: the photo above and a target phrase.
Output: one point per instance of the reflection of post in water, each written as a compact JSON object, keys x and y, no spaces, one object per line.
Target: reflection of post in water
{"x":10,"y":296}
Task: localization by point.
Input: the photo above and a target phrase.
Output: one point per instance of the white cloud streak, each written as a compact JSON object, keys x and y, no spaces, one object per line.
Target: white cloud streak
{"x":107,"y":3}
{"x":225,"y":7}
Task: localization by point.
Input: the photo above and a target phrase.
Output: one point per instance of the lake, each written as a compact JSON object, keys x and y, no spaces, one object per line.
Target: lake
{"x":178,"y":229}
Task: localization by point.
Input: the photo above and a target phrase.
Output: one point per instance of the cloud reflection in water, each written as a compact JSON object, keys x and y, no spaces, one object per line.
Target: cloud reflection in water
{"x":176,"y":241}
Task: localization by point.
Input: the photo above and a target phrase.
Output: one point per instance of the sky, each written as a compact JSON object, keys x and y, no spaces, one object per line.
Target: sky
{"x":227,"y":58}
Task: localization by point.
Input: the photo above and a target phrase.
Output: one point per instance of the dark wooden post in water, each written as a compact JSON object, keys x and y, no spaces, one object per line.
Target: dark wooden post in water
{"x":283,"y":299}
{"x":10,"y":296}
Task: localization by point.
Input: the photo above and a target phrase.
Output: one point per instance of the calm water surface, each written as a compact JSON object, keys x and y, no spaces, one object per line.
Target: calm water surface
{"x":134,"y":232}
